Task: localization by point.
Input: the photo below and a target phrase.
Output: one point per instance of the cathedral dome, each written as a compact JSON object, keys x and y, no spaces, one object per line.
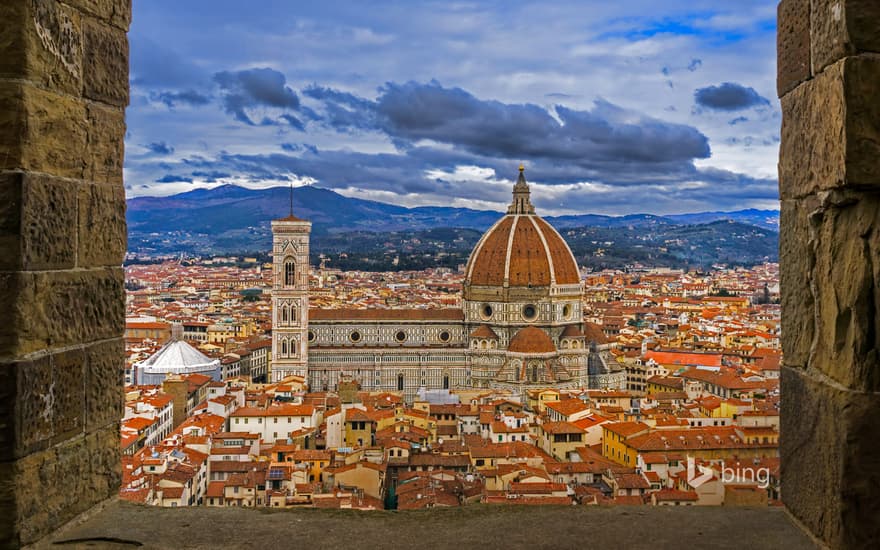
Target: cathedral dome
{"x":531,"y":340}
{"x":522,"y":250}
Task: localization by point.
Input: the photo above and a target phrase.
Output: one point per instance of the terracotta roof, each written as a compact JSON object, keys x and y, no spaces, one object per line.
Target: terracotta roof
{"x":572,"y":331}
{"x":531,"y":340}
{"x":483,"y":331}
{"x":533,"y":255}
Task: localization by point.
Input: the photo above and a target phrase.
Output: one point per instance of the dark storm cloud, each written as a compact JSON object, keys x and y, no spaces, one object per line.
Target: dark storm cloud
{"x":172,"y":99}
{"x":257,"y":88}
{"x":160,"y":148}
{"x":172,"y":178}
{"x":729,"y":96}
{"x":414,"y":112}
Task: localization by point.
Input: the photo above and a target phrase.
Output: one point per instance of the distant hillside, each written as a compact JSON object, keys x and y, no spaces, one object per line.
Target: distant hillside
{"x":235,"y":219}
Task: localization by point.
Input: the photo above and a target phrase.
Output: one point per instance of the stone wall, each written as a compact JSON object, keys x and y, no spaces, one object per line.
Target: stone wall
{"x":829,"y":183}
{"x":63,"y":92}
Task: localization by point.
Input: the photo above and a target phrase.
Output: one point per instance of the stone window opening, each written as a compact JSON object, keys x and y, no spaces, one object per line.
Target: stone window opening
{"x":830,"y":401}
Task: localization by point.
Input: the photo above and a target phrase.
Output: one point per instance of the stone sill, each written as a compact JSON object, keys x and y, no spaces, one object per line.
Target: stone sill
{"x":125,"y":525}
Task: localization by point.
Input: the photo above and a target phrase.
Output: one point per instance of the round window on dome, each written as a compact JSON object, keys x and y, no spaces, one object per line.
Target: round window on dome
{"x":355,"y":336}
{"x":311,"y":336}
{"x":530,"y":312}
{"x":445,"y":336}
{"x":486,"y":311}
{"x":400,"y":336}
{"x":566,"y":311}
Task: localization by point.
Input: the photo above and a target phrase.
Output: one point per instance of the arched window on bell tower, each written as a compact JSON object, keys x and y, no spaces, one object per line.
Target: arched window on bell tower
{"x":283,"y":348}
{"x":289,"y":272}
{"x":284,"y":315}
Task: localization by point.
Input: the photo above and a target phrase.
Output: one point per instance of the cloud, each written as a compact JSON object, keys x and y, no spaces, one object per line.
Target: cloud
{"x":729,"y":96}
{"x":171,"y":178}
{"x":607,"y":133}
{"x":694,"y":64}
{"x":738,"y":120}
{"x":173,"y":99}
{"x":159,"y":148}
{"x":251,"y":89}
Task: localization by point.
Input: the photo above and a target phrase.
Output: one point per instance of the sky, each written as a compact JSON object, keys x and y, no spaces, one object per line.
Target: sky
{"x":615,"y":108}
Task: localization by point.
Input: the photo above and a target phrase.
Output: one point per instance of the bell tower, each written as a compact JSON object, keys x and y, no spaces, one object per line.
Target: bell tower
{"x":290,"y":296}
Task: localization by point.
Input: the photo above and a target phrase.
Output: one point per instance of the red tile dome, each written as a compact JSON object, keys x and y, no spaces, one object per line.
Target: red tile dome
{"x":531,"y":340}
{"x":522,"y":249}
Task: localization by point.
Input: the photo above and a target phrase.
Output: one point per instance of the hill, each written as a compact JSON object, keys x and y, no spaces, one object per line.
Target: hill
{"x":230,"y":219}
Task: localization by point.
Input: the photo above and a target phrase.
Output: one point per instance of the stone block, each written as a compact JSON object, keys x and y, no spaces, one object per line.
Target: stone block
{"x":829,"y":459}
{"x":831,"y":130}
{"x":10,"y":220}
{"x":792,"y":44}
{"x":115,"y":12}
{"x":36,"y":213}
{"x":103,"y":383}
{"x":12,"y":120}
{"x":105,"y":63}
{"x":65,"y":308}
{"x":42,"y":402}
{"x":54,"y":136}
{"x":102,"y":229}
{"x":105,"y":145}
{"x":69,"y":394}
{"x":18,"y":295}
{"x":51,"y":487}
{"x":840,"y":28}
{"x":796,"y":262}
{"x":845,"y":284}
{"x":44,"y":45}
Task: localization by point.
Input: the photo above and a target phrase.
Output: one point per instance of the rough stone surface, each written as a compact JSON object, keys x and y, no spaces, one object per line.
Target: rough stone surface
{"x":102,"y":229}
{"x":65,"y":308}
{"x":792,"y":44}
{"x":843,"y":27}
{"x":103,"y":382}
{"x":63,"y":89}
{"x":475,"y":526}
{"x":52,"y":486}
{"x":796,"y":262}
{"x":105,"y":140}
{"x":105,"y":62}
{"x":115,"y":12}
{"x":830,"y":282}
{"x":42,"y":402}
{"x":55,"y":134}
{"x":829,"y":463}
{"x":831,"y":130}
{"x":44,"y":46}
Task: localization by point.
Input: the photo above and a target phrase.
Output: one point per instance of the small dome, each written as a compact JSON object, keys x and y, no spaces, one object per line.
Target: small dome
{"x":572,"y":331}
{"x":484,"y":331}
{"x":531,"y":340}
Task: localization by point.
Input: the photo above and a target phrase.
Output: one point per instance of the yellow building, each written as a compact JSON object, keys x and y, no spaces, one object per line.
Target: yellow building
{"x":538,"y":398}
{"x":623,"y":442}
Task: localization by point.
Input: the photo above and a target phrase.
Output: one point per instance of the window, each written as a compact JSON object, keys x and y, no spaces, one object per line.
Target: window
{"x":399,"y":382}
{"x":289,"y":272}
{"x":487,"y":311}
{"x":446,"y":382}
{"x":283,"y":347}
{"x":444,"y":336}
{"x":355,"y":336}
{"x":530,"y":312}
{"x":400,"y":336}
